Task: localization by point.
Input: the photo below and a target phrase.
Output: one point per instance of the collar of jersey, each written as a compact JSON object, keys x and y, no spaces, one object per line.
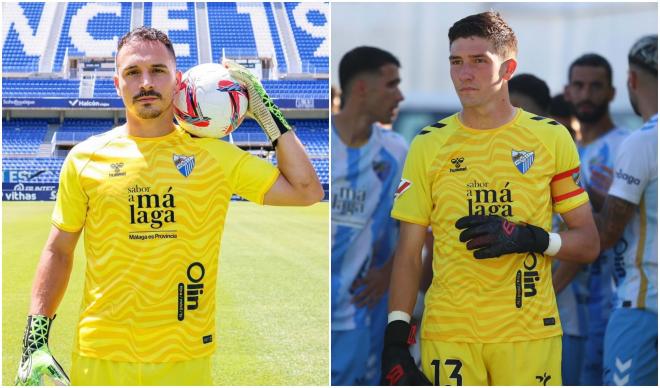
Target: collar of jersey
{"x":176,"y":133}
{"x":489,"y":130}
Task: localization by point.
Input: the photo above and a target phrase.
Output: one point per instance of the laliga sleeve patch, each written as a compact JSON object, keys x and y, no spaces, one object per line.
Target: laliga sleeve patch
{"x":403,"y":186}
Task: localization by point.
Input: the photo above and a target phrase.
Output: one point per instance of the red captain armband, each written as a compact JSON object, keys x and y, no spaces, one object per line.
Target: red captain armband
{"x":566,"y":185}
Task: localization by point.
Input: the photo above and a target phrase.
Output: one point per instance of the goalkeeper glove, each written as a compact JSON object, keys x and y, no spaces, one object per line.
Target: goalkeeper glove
{"x":494,"y":236}
{"x":398,"y":366}
{"x":260,"y":106}
{"x":37,"y":362}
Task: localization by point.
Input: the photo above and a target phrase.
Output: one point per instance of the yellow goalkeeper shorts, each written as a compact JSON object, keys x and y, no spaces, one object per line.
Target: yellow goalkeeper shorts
{"x":95,"y":371}
{"x":535,"y":362}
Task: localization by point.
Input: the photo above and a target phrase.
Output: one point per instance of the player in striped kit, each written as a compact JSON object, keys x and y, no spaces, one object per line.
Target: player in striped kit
{"x":589,"y":92}
{"x":487,"y":180}
{"x":152,"y":202}
{"x":631,"y":210}
{"x":366,"y":167}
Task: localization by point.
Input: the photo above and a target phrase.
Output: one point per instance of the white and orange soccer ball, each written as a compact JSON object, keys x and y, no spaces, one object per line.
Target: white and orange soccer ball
{"x":209,"y":102}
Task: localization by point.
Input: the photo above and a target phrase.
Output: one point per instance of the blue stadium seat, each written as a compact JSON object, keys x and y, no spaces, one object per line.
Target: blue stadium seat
{"x":308,"y":44}
{"x":23,"y":136}
{"x":230,"y":31}
{"x":38,"y":88}
{"x":187,"y":37}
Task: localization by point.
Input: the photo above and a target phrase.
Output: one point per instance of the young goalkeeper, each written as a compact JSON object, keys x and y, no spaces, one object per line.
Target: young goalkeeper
{"x":487,"y":181}
{"x":152,"y":202}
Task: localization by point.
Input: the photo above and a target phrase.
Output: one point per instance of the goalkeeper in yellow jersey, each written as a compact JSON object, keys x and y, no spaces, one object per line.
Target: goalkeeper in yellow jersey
{"x":487,"y":180}
{"x":152,"y":202}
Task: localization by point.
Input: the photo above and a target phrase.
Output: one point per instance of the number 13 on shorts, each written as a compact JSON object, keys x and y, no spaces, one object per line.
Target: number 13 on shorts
{"x":449,"y":369}
{"x":536,"y":362}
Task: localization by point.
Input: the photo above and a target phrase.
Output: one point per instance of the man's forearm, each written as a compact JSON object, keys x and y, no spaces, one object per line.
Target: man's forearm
{"x":50,"y":282}
{"x":612,"y":220}
{"x":564,"y":275}
{"x":295,"y":166}
{"x":579,"y":245}
{"x":404,"y":285}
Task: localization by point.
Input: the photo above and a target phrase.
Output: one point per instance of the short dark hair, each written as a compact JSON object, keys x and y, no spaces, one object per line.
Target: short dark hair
{"x":363,"y":59}
{"x":593,"y":60}
{"x":489,"y":25}
{"x":146,"y":34}
{"x":644,"y":54}
{"x":560,"y":107}
{"x":532,"y":87}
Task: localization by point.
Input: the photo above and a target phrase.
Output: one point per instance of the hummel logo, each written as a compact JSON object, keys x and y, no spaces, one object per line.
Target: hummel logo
{"x":544,"y":379}
{"x":457,"y":164}
{"x":117,"y":169}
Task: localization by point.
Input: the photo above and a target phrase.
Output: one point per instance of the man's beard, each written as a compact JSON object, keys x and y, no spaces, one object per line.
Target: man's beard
{"x":147,"y":113}
{"x":633,"y":103}
{"x":591,"y":117}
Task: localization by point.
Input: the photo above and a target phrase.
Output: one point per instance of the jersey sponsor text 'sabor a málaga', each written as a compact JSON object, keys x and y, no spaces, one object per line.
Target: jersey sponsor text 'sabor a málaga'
{"x":152,"y":211}
{"x":523,"y":171}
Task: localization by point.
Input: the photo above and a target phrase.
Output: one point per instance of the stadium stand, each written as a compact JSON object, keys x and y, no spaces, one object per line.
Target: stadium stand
{"x":16,"y":87}
{"x":279,"y":51}
{"x":111,"y":21}
{"x":105,"y":88}
{"x":183,"y":18}
{"x":23,"y":136}
{"x":313,"y":51}
{"x":14,"y":57}
{"x":231,"y":31}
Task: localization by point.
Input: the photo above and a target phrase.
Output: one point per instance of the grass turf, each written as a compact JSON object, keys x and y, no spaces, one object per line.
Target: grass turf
{"x":272,"y":300}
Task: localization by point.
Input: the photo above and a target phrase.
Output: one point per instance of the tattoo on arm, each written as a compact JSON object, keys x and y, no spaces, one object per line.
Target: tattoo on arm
{"x":612,"y":219}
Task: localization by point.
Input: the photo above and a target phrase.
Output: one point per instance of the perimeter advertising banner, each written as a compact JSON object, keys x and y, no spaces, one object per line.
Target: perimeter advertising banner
{"x":29,"y":191}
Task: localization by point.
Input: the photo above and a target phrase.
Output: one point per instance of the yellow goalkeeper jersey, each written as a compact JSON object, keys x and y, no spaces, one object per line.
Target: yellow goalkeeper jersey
{"x":152,"y":211}
{"x":523,"y":171}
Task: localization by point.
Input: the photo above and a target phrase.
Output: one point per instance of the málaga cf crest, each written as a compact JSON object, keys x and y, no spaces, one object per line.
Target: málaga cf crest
{"x":184,"y":164}
{"x":523,"y":160}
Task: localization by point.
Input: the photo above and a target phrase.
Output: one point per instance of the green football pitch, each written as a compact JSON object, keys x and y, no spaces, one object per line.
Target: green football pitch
{"x":272,"y":299}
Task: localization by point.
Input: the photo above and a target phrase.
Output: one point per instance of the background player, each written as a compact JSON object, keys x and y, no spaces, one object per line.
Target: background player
{"x":127,"y":182}
{"x":631,"y":210}
{"x":367,"y":162}
{"x":490,"y":315}
{"x":530,"y":93}
{"x":590,"y":91}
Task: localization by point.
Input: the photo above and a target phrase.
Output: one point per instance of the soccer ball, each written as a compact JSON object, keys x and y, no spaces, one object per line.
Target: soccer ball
{"x":209,"y":102}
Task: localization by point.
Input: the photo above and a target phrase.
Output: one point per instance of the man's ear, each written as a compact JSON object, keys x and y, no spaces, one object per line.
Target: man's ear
{"x":509,"y":67}
{"x":633,"y":79}
{"x":178,"y":75}
{"x":115,"y":79}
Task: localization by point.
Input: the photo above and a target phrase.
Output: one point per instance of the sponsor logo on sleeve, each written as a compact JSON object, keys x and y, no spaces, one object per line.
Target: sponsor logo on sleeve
{"x":404,"y":185}
{"x":629,"y":179}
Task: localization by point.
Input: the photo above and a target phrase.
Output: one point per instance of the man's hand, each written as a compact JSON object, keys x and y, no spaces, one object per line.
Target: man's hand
{"x":260,"y":106}
{"x":494,"y":236}
{"x":37,"y":363}
{"x":375,"y":285}
{"x":398,"y":366}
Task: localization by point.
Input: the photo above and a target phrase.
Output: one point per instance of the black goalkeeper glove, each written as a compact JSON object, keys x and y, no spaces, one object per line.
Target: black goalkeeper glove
{"x":38,"y":365}
{"x":398,"y":366}
{"x":494,"y":236}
